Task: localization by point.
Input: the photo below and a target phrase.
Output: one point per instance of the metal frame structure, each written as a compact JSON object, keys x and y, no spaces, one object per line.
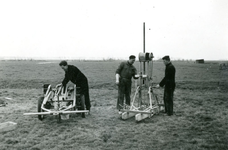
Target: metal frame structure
{"x":58,"y":102}
{"x":147,"y":104}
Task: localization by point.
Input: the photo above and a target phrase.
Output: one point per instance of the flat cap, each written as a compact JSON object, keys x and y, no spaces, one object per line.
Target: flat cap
{"x":132,"y":57}
{"x":166,"y":58}
{"x":63,"y":63}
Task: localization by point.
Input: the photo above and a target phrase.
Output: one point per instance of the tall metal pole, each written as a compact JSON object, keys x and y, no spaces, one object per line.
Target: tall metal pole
{"x":143,"y":37}
{"x":144,"y":67}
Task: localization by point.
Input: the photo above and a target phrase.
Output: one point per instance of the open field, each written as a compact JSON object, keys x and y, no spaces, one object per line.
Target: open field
{"x":200,"y":106}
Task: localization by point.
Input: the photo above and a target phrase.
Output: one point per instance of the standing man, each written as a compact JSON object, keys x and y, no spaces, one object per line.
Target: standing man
{"x":124,"y":74}
{"x":74,"y":75}
{"x":169,"y":82}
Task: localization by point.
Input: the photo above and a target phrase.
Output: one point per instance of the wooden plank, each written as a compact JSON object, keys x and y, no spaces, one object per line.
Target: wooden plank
{"x":126,"y":115}
{"x":139,"y":117}
{"x":136,"y":111}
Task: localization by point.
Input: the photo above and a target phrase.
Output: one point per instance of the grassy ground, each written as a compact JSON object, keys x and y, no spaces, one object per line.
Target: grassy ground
{"x":200,"y":104}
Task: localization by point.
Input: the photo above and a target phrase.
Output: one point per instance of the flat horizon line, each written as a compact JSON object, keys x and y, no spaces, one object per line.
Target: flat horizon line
{"x":92,"y":59}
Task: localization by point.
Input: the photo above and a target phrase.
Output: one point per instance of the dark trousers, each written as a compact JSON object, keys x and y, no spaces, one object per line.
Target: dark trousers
{"x":84,"y":90}
{"x":168,"y":101}
{"x":124,"y":90}
{"x":87,"y":100}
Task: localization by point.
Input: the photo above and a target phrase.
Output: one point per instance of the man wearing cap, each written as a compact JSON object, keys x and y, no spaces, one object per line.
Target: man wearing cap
{"x":124,"y":74}
{"x":74,"y":75}
{"x":169,"y":82}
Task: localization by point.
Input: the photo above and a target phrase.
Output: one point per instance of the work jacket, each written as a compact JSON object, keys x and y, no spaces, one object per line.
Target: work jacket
{"x":169,"y":80}
{"x":74,"y":75}
{"x":126,"y":70}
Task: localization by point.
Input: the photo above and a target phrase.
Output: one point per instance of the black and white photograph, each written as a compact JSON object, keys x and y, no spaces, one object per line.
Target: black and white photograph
{"x":113,"y":75}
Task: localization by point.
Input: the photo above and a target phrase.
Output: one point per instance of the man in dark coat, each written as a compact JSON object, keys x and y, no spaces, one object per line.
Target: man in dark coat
{"x":169,"y":82}
{"x":124,"y":74}
{"x":74,"y":75}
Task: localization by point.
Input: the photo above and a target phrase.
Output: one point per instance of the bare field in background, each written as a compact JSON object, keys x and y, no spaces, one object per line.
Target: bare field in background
{"x":200,"y":105}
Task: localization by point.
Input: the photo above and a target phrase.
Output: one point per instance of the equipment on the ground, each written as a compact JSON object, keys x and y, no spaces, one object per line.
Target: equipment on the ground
{"x":59,"y":101}
{"x":145,"y":102}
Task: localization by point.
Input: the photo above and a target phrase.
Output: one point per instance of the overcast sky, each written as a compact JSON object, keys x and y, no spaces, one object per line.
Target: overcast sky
{"x":96,"y":29}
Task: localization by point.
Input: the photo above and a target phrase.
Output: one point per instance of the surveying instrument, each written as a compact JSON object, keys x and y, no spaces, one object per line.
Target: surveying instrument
{"x":145,"y":102}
